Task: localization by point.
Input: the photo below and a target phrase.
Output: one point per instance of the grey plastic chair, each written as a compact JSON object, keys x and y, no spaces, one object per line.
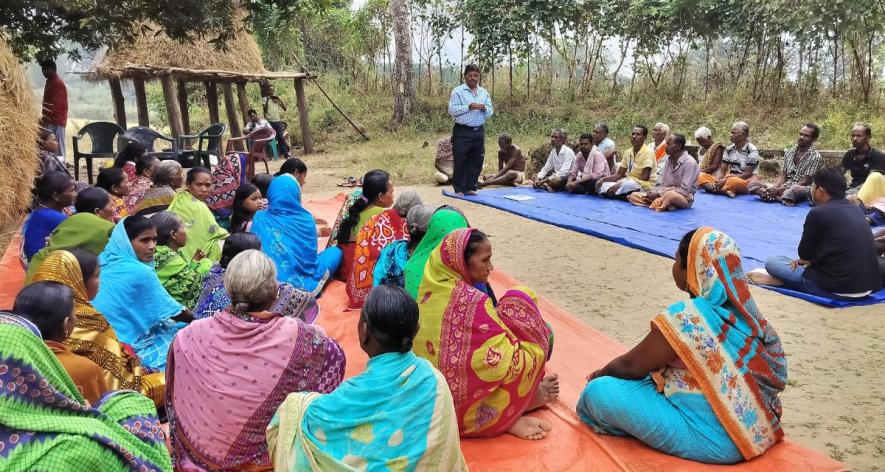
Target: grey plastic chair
{"x":148,"y":138}
{"x":208,"y":143}
{"x":102,"y":134}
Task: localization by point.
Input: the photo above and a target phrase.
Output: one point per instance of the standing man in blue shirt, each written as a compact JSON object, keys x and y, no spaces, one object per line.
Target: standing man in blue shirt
{"x":470,"y":106}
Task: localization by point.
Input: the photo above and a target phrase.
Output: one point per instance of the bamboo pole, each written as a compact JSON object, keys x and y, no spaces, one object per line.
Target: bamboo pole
{"x":182,"y":104}
{"x":141,"y":102}
{"x":119,"y":104}
{"x":172,"y":110}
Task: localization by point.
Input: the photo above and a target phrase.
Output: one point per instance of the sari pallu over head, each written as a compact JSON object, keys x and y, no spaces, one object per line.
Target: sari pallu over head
{"x":492,"y":357}
{"x":443,"y":222}
{"x":203,"y":232}
{"x":155,"y":199}
{"x":289,"y":235}
{"x":45,"y":424}
{"x":84,"y":230}
{"x":94,"y":338}
{"x":226,"y":377}
{"x":381,"y":230}
{"x":362,"y":424}
{"x":291,"y":302}
{"x":130,"y":295}
{"x":733,"y":356}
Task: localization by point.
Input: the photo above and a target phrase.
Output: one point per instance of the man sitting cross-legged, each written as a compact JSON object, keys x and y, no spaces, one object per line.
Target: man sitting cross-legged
{"x":678,"y":182}
{"x":636,"y":171}
{"x":590,"y":166}
{"x":738,"y":167}
{"x":837,"y":258}
{"x":554,"y":175}
{"x":511,"y":164}
{"x":800,"y":163}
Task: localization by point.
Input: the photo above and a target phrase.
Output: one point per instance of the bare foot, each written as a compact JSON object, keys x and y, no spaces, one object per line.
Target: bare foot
{"x":459,"y":194}
{"x":547,"y":391}
{"x":730,"y":194}
{"x":763,"y":278}
{"x":527,"y":427}
{"x":470,"y":192}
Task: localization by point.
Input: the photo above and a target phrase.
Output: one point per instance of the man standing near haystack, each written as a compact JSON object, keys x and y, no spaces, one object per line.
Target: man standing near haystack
{"x":55,"y":105}
{"x":470,"y":106}
{"x":273,"y":113}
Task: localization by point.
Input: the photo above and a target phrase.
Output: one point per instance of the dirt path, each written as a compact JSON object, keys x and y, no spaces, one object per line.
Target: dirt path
{"x":834,"y":401}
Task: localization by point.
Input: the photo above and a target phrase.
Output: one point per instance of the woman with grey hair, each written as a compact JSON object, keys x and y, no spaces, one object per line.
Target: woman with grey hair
{"x":167,"y":178}
{"x":709,"y":152}
{"x":406,"y":201}
{"x":391,"y":264}
{"x":228,"y":373}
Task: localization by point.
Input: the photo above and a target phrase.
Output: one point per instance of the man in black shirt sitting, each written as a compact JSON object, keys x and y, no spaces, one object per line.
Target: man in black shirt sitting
{"x":863,"y":160}
{"x":837,"y":258}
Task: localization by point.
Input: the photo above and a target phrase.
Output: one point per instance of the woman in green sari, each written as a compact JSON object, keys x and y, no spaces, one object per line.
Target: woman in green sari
{"x":85,"y":230}
{"x":204,"y":233}
{"x":444,"y":221}
{"x":46,"y":425}
{"x":180,"y":276}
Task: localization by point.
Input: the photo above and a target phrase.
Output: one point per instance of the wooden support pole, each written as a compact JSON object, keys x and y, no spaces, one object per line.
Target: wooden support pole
{"x":231,"y":107}
{"x":182,"y":104}
{"x":212,"y":100}
{"x":243,"y":100}
{"x":303,"y":120}
{"x":119,"y":105}
{"x":141,"y":102}
{"x":172,"y":110}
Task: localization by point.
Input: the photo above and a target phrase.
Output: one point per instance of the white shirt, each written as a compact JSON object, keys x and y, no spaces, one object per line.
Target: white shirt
{"x":254,"y":125}
{"x":558,"y":163}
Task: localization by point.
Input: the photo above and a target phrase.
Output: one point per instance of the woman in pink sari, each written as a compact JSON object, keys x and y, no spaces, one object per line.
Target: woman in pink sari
{"x":227,"y":374}
{"x":491,"y":353}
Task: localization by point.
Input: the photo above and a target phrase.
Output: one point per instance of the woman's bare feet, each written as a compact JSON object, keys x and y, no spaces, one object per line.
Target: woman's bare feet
{"x":527,"y":427}
{"x":761,"y":277}
{"x":547,"y":391}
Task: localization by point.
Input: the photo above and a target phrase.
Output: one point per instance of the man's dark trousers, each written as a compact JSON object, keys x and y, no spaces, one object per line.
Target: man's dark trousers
{"x":468,"y":149}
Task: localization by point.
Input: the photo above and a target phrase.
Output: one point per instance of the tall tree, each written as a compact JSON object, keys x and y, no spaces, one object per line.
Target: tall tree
{"x":403,"y":84}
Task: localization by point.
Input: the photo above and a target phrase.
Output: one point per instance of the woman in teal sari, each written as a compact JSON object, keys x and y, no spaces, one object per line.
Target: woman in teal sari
{"x":397,"y":415}
{"x":704,"y":383}
{"x":288,"y":235}
{"x":130,"y":295}
{"x":45,"y":423}
{"x":204,"y":233}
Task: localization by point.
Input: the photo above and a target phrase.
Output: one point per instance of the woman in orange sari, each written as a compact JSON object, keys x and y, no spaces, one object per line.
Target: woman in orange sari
{"x":382,"y":229}
{"x":492,"y":354}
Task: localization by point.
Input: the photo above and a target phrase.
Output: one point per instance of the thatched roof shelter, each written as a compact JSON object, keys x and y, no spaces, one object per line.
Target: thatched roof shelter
{"x":153,"y":56}
{"x":18,"y":137}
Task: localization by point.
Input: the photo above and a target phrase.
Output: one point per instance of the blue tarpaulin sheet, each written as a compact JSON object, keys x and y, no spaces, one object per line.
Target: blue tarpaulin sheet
{"x":761,"y":230}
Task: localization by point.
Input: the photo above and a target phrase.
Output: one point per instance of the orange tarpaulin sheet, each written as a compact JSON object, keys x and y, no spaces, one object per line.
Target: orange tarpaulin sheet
{"x":579,"y":349}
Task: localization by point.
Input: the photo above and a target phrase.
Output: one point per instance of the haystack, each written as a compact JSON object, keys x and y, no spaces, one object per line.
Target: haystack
{"x":18,"y":138}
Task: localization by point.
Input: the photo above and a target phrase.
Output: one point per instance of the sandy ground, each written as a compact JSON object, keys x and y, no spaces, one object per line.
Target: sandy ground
{"x":834,"y":401}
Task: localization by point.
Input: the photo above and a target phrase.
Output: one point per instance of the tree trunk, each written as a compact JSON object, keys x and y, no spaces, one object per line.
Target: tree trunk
{"x":243,"y":100}
{"x":182,"y":103}
{"x":230,"y":107}
{"x":624,"y":47}
{"x":303,"y":118}
{"x":141,"y":102}
{"x":510,"y":70}
{"x":404,"y":90}
{"x":212,"y":101}
{"x":119,"y":104}
{"x":172,"y":110}
{"x":707,"y":42}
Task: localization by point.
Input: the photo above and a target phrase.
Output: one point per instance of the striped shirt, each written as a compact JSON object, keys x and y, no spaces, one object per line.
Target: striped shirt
{"x":462,"y":97}
{"x":739,"y":158}
{"x":810,"y":163}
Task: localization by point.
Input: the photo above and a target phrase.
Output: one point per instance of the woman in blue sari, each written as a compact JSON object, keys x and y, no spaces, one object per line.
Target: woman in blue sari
{"x":397,"y":415}
{"x":704,"y":383}
{"x":131,"y":297}
{"x":289,"y":236}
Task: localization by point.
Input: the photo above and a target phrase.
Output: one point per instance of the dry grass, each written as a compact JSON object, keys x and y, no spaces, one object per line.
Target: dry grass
{"x":159,"y":51}
{"x":18,"y":138}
